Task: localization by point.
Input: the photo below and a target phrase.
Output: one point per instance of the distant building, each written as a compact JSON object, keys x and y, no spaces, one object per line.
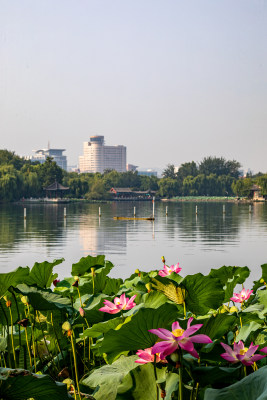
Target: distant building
{"x":56,"y":154}
{"x":131,"y":167}
{"x":97,"y":157}
{"x":148,"y":172}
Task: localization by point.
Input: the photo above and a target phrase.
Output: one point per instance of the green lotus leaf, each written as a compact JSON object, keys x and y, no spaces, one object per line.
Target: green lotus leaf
{"x":12,"y":279}
{"x":218,"y":326}
{"x":141,"y":384}
{"x":22,"y":385}
{"x":102,"y":327}
{"x":251,"y":387}
{"x":264,"y":272}
{"x":154,"y":299}
{"x":203,"y":293}
{"x":86,"y":263}
{"x":44,"y":299}
{"x":107,"y":378}
{"x":216,"y":375}
{"x":41,"y":273}
{"x":135,"y":335}
{"x":230,"y":277}
{"x":247,"y":330}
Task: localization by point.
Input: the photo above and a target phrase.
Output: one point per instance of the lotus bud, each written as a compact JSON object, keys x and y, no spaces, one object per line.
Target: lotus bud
{"x":233,"y":309}
{"x":69,"y":382}
{"x":24,"y":322}
{"x":25,"y":300}
{"x":174,"y":357}
{"x":8,"y":303}
{"x":163,"y":259}
{"x":149,"y":287}
{"x":262,"y":280}
{"x":93,"y":271}
{"x":82,"y":312}
{"x":66,"y":326}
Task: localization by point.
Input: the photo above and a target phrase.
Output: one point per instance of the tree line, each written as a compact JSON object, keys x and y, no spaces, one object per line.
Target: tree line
{"x":19,"y":178}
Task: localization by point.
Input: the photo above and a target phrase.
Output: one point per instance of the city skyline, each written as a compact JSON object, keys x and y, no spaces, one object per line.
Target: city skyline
{"x":173,"y":82}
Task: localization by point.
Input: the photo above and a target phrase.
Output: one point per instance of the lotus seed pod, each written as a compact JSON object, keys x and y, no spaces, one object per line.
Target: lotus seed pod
{"x":69,"y":333}
{"x":66,"y":326}
{"x":93,"y":271}
{"x":233,"y":309}
{"x":25,"y":300}
{"x":163,"y":259}
{"x":262,"y":280}
{"x":76,"y":278}
{"x":223,"y":310}
{"x":137,"y":271}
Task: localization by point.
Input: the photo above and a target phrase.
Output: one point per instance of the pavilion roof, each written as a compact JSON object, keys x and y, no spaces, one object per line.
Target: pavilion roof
{"x":56,"y":186}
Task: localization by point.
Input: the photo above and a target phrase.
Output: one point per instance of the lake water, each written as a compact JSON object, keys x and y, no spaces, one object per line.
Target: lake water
{"x":209,"y":240}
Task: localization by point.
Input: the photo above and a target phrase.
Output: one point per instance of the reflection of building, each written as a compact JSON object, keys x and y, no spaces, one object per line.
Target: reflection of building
{"x":97,"y":157}
{"x":56,"y":154}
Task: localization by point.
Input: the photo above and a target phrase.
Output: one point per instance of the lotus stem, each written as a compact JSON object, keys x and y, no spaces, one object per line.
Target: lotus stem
{"x":180,"y":376}
{"x":7,"y":332}
{"x":12,"y":338}
{"x":75,"y":364}
{"x":32,"y":339}
{"x":28,"y":347}
{"x":245,"y":371}
{"x":241,"y":322}
{"x":184,"y":310}
{"x":156,"y":376}
{"x":80,"y":297}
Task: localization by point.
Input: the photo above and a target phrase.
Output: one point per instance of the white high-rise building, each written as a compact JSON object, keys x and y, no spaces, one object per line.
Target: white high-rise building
{"x":97,"y":157}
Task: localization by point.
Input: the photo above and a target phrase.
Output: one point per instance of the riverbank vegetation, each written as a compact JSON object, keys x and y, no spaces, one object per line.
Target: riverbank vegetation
{"x":212,"y":177}
{"x":155,"y":335}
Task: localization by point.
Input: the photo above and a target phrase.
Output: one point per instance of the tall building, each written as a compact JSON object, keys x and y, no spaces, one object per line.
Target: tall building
{"x":56,"y":154}
{"x":97,"y":157}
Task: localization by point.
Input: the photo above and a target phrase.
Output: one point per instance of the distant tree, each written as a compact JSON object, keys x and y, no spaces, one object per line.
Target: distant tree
{"x":187,"y":169}
{"x":49,"y":172}
{"x":219,"y":166}
{"x":242,"y":187}
{"x":262,"y":182}
{"x":168,"y":187}
{"x":169,"y":172}
{"x":10,"y":158}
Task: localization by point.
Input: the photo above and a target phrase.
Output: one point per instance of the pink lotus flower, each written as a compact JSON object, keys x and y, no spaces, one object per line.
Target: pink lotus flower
{"x":178,"y":337}
{"x":146,"y":356}
{"x":242,"y":296}
{"x":169,"y":270}
{"x":120,"y":303}
{"x":241,"y":353}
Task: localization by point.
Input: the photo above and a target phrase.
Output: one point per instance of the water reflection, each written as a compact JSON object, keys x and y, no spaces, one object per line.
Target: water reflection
{"x":196,"y":238}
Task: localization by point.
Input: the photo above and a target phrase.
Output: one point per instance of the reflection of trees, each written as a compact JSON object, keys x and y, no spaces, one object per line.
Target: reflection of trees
{"x":209,"y":225}
{"x":44,"y":222}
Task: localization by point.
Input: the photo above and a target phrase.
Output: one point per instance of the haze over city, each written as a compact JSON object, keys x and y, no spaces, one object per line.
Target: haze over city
{"x":174,"y":81}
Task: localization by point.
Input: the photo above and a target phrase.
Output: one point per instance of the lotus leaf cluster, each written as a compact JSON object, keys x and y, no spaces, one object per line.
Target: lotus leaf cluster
{"x":155,"y":335}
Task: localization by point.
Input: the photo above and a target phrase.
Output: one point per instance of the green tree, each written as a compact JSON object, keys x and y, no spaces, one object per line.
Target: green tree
{"x":169,"y":172}
{"x":168,"y":187}
{"x":242,"y":187}
{"x":219,"y":166}
{"x":49,"y":172}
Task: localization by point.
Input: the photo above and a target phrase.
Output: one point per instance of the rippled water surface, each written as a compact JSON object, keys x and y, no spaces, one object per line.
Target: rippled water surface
{"x":210,"y":239}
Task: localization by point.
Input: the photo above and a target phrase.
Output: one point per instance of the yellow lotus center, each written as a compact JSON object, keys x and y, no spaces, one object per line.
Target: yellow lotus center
{"x":118,"y":303}
{"x":177,"y":332}
{"x":243,"y":351}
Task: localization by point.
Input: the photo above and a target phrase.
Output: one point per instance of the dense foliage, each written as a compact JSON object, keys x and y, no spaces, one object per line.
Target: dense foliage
{"x":92,"y":336}
{"x":212,"y":177}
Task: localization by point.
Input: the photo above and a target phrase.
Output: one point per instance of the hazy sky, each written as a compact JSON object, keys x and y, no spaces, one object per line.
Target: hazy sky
{"x":173,"y":80}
